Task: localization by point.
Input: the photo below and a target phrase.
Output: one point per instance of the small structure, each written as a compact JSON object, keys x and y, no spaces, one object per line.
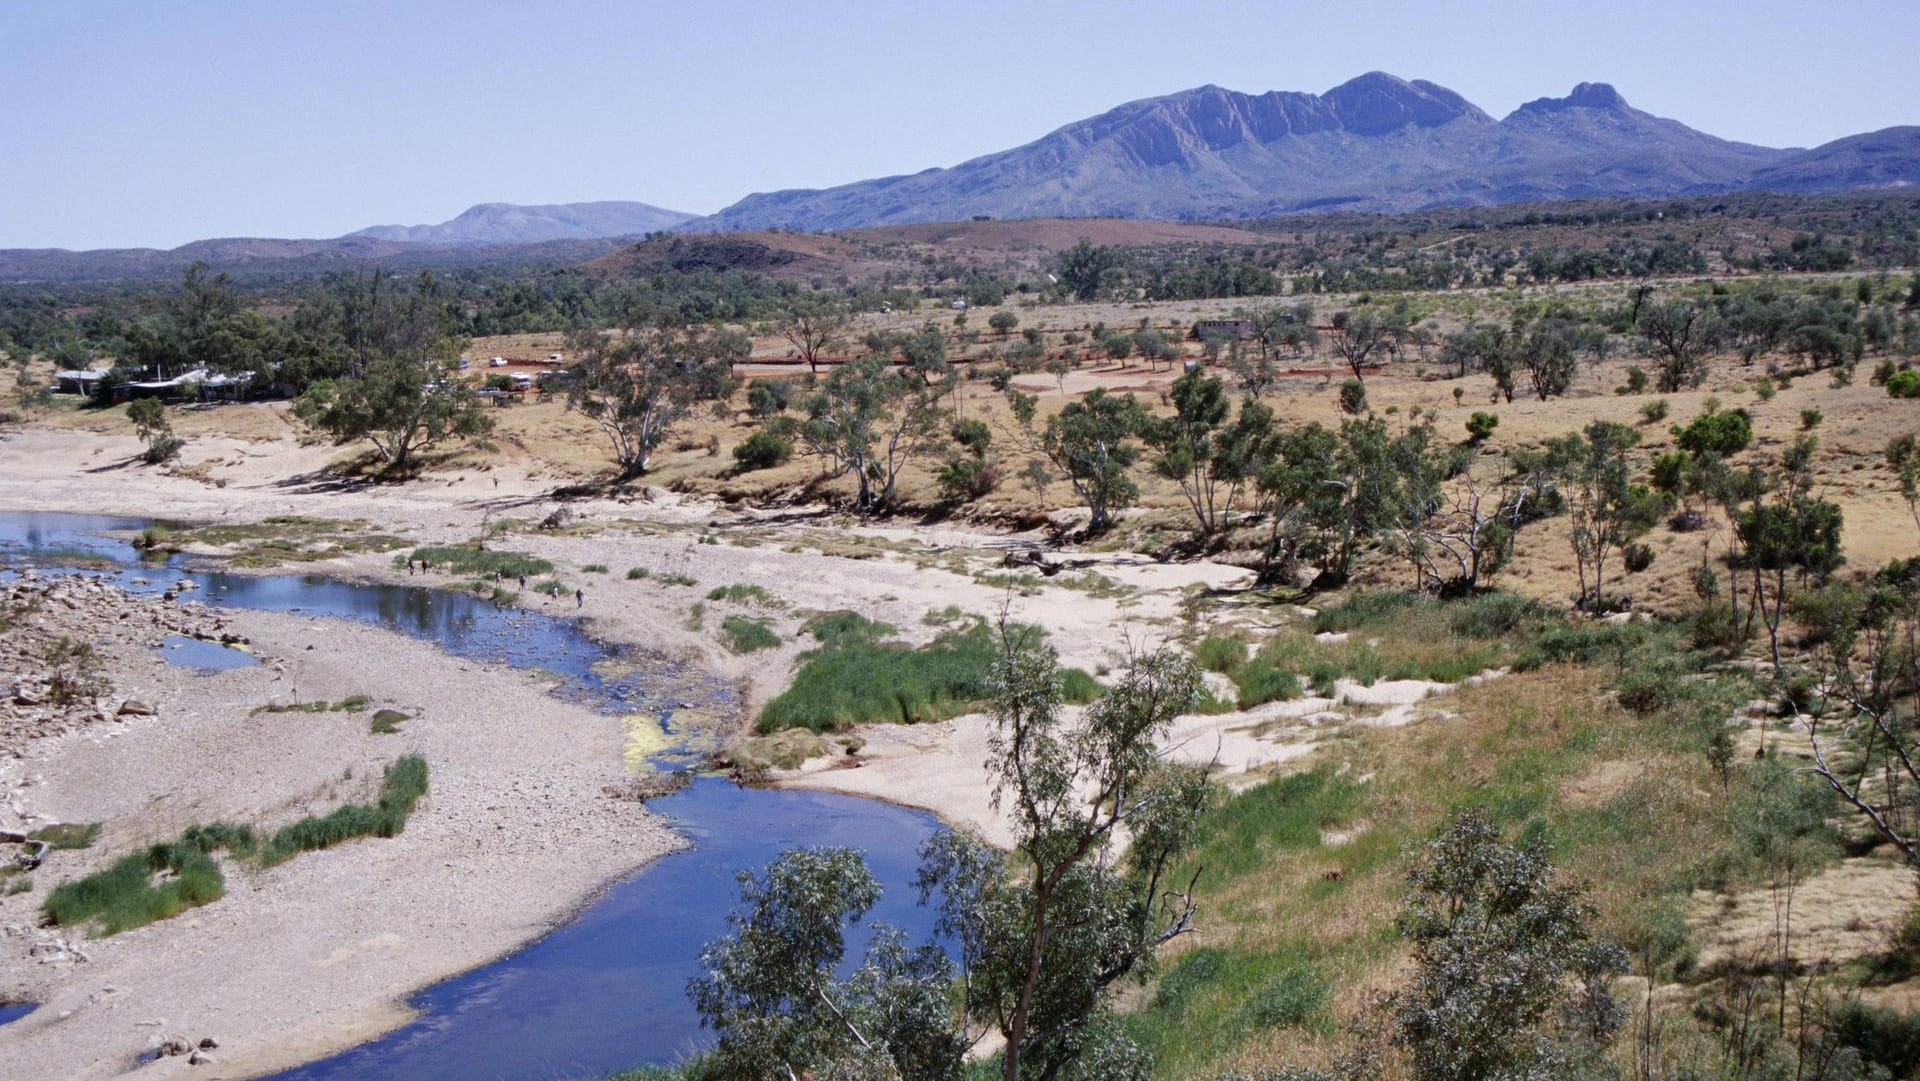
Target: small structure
{"x":198,"y":385}
{"x":78,"y":380}
{"x":1238,"y":330}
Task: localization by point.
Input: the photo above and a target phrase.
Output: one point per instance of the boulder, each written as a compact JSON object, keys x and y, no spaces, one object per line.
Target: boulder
{"x":135,"y":707}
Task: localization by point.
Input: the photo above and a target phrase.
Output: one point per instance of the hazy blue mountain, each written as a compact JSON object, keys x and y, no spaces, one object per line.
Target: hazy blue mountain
{"x":1888,"y":158}
{"x":1374,"y":143}
{"x":507,"y":223}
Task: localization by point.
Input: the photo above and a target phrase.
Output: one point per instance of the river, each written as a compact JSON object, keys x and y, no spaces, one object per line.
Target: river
{"x":607,"y":990}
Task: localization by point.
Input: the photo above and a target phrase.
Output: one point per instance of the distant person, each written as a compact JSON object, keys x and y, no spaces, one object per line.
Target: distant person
{"x":523,"y":581}
{"x":579,"y":598}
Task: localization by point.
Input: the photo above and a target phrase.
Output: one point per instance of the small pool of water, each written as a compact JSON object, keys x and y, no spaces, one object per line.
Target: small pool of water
{"x":14,"y":1011}
{"x":606,"y":991}
{"x":204,"y":656}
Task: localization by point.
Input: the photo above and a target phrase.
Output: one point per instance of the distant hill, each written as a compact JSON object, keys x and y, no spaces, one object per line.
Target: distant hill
{"x":1888,"y":158}
{"x":1376,"y":143}
{"x":506,"y":223}
{"x":252,"y":258}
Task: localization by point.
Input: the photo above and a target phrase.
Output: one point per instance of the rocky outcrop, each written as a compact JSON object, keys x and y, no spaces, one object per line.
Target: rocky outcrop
{"x":50,"y":654}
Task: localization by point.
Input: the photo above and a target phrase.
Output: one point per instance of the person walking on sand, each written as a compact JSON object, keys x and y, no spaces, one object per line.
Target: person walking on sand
{"x":579,"y":598}
{"x":523,"y":581}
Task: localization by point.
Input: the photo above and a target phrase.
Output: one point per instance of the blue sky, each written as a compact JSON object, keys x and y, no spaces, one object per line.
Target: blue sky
{"x":155,"y":123}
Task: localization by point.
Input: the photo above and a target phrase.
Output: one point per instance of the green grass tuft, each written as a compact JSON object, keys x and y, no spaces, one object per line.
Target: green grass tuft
{"x":68,"y":835}
{"x":748,"y":635}
{"x":386,"y":722}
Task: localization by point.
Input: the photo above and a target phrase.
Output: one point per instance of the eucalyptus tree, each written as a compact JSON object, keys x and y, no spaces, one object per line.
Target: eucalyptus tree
{"x":639,"y":383}
{"x":868,"y":421}
{"x":1211,"y":460}
{"x":1042,"y":935}
{"x":815,"y":325}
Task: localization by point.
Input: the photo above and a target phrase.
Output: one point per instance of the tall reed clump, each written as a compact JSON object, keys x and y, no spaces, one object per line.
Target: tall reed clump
{"x":127,"y":894}
{"x":861,"y":674}
{"x":403,"y":785}
{"x":170,"y":877}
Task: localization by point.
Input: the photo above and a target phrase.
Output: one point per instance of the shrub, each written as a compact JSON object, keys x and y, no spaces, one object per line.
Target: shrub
{"x":163,"y":447}
{"x":1884,"y":1037}
{"x":1481,"y":425}
{"x":964,"y":480}
{"x":1810,"y":419}
{"x":1636,"y":382}
{"x":1363,"y":610}
{"x":1725,"y":434}
{"x":767,"y":397}
{"x":748,"y":635}
{"x":1353,"y":397}
{"x":1653,"y":412}
{"x":594,"y":568}
{"x":1765,"y":389}
{"x":1191,"y":973}
{"x":1904,"y":384}
{"x":1637,"y":557}
{"x":635,"y":574}
{"x":762,"y":450}
{"x":1260,"y":681}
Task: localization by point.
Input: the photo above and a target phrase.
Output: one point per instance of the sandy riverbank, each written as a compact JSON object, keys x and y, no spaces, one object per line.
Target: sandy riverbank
{"x":319,"y":952}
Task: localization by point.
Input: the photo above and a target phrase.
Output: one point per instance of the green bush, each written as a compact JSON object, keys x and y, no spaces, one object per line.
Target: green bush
{"x":748,"y":635}
{"x":1481,"y":425}
{"x":634,"y":574}
{"x":1653,"y":412}
{"x":1904,"y":384}
{"x":762,"y":450}
{"x":1723,"y":433}
{"x":1637,"y":557}
{"x":964,"y":480}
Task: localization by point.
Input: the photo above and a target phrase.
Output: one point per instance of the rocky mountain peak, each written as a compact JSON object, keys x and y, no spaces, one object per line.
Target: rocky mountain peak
{"x":1584,"y":96}
{"x":1376,"y":103}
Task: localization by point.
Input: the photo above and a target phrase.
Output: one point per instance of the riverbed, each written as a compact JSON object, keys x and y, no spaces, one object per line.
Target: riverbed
{"x":604,"y":990}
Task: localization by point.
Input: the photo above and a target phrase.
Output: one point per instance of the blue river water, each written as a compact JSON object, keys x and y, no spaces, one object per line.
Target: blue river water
{"x":607,"y":990}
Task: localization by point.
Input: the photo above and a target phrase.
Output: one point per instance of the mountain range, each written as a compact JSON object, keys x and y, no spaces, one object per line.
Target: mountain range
{"x":1377,"y":143}
{"x":1374,"y":144}
{"x":507,"y":223}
